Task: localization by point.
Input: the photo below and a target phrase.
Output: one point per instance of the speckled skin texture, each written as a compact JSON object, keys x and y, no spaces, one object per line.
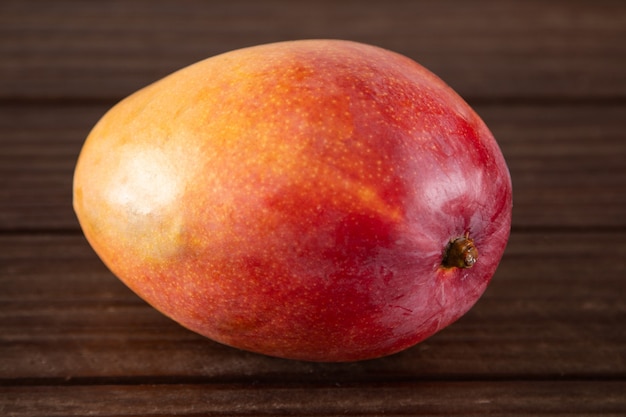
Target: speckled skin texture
{"x":296,"y":199}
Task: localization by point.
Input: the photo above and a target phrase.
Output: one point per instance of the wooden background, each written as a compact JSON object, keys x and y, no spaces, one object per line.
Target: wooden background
{"x":547,"y":338}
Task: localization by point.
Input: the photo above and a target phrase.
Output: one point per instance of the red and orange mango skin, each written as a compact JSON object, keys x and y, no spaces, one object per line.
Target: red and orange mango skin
{"x":296,"y":199}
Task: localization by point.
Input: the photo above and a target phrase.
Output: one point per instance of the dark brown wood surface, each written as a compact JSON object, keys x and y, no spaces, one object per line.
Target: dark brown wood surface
{"x":547,"y":338}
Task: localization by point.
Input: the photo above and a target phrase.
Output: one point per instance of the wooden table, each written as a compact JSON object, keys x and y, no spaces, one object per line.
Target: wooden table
{"x":547,"y":338}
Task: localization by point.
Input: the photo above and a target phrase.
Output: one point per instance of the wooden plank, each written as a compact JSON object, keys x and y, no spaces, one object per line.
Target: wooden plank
{"x":511,"y":398}
{"x":485,"y":49}
{"x":554,"y":310}
{"x":39,"y":146}
{"x":567,"y":163}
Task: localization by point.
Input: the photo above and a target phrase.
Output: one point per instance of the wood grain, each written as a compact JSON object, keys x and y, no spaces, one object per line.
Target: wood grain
{"x":486,"y":49}
{"x":514,"y":398}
